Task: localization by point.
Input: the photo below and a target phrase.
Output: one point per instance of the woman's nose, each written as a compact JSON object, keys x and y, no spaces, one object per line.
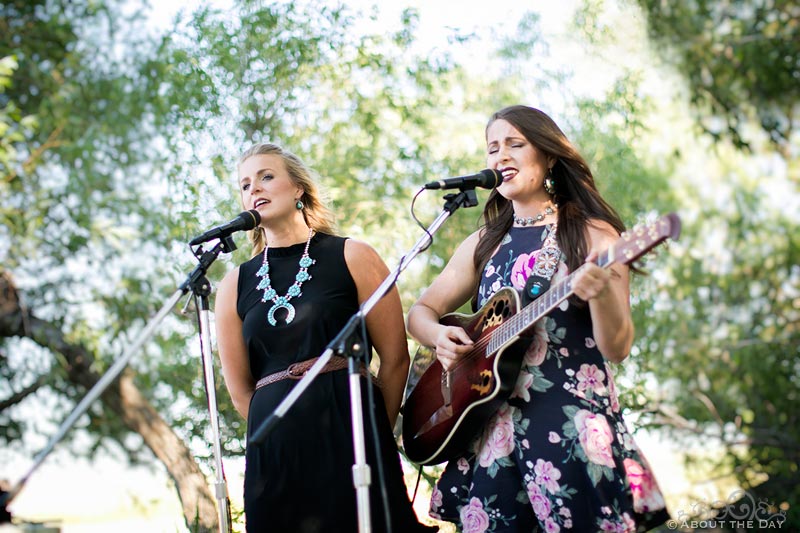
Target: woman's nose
{"x":502,"y":154}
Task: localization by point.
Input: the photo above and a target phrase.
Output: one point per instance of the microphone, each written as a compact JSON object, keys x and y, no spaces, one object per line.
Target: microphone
{"x":488,"y":179}
{"x":246,"y":220}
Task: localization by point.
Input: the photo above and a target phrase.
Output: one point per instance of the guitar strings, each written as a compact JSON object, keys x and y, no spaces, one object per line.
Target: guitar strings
{"x":479,"y":348}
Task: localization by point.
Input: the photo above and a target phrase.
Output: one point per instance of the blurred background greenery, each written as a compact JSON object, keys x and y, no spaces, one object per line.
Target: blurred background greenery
{"x":118,"y":140}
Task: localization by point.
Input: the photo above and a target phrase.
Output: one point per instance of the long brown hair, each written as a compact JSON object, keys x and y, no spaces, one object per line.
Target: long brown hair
{"x":576,"y":194}
{"x":316,"y":213}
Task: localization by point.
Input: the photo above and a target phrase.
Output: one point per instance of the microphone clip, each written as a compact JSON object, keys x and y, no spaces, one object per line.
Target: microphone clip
{"x":226,"y":244}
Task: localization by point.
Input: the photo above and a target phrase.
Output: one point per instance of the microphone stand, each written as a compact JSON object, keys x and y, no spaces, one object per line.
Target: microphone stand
{"x":466,"y":197}
{"x":200,"y":286}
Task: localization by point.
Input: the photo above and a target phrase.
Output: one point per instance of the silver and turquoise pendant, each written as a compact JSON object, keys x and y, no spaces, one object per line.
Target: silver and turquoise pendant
{"x":270,"y":294}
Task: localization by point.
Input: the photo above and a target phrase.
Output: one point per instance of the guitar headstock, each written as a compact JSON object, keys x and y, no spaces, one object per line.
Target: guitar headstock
{"x":642,"y":238}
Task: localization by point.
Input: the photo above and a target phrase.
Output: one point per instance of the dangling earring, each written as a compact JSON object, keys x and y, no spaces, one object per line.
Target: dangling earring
{"x":550,"y":183}
{"x":299,"y":205}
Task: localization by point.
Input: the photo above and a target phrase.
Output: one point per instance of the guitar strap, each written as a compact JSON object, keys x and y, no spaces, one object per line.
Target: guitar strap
{"x":543,"y":269}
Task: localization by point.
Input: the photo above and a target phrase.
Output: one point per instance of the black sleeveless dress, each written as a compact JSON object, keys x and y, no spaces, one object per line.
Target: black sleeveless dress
{"x":300,"y":478}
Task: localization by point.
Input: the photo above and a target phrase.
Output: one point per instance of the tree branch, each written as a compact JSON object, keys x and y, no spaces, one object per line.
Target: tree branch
{"x":24,"y":393}
{"x":124,"y":399}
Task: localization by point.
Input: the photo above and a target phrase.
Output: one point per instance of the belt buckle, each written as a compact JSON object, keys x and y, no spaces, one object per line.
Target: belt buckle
{"x":290,"y":372}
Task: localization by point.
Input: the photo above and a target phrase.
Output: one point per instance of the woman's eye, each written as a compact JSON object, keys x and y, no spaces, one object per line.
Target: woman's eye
{"x":245,"y":186}
{"x":517,"y":145}
{"x":266,"y":177}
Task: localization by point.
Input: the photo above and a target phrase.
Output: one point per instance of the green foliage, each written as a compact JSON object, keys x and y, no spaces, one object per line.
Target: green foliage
{"x":607,"y":134}
{"x":112,"y":187}
{"x":117,"y":147}
{"x":717,"y":342}
{"x":740,"y":60}
{"x":726,"y":351}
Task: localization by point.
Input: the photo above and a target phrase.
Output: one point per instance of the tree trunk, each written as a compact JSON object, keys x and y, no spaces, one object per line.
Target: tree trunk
{"x":125,"y":399}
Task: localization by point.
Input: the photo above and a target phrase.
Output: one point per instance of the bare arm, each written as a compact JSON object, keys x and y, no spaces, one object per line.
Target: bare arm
{"x":608,"y":294}
{"x":232,"y":350}
{"x":448,"y":292}
{"x":384,"y":322}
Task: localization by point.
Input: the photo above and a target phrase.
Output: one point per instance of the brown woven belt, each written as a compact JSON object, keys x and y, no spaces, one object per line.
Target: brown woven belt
{"x":298,"y":370}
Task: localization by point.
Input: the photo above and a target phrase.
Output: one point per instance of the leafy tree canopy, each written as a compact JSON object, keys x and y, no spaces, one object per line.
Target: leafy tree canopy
{"x":741,"y":61}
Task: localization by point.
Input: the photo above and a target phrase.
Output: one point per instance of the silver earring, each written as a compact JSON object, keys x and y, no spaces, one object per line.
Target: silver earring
{"x":299,"y":205}
{"x":549,"y":183}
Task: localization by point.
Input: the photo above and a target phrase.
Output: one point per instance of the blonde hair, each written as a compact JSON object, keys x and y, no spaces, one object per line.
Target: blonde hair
{"x":316,"y":213}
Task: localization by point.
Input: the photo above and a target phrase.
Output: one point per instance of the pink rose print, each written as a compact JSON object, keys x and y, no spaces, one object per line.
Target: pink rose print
{"x":630,"y":523}
{"x":551,"y":527}
{"x":563,"y":351}
{"x":590,"y":343}
{"x":522,"y":268}
{"x":436,"y":499}
{"x":591,"y":378}
{"x":595,"y":437}
{"x":547,"y":475}
{"x":607,"y":526}
{"x":463,"y":465}
{"x":626,"y":525}
{"x":612,"y":390}
{"x":524,"y":381}
{"x":539,"y":502}
{"x":473,"y":518}
{"x":498,"y":438}
{"x":646,"y":495}
{"x":553,"y":437}
{"x":490,"y":271}
{"x":538,"y":348}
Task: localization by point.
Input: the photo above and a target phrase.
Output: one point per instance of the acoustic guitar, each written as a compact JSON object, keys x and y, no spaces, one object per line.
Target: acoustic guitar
{"x":447,"y":409}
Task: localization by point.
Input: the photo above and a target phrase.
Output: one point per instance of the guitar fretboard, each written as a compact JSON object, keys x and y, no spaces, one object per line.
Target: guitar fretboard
{"x":532,"y":312}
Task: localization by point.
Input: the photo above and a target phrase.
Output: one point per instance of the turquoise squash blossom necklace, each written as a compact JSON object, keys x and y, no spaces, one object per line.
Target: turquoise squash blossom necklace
{"x":282,"y":302}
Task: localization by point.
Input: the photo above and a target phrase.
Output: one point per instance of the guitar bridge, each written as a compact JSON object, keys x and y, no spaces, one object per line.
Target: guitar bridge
{"x":446,"y":391}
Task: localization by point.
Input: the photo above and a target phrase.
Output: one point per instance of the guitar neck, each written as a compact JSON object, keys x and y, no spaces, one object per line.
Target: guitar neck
{"x":535,"y":310}
{"x":629,"y":247}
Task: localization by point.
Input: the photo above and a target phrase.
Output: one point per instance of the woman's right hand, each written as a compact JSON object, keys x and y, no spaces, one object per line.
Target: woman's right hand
{"x":452,"y":343}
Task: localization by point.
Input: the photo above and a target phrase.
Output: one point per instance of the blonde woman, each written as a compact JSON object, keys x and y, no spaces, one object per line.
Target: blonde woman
{"x":275,"y":314}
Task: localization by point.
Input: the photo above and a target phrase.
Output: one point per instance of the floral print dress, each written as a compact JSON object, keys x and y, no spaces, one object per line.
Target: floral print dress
{"x":557,"y":455}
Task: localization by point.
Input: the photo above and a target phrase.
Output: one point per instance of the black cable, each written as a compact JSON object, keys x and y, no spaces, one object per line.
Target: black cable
{"x":420,"y":224}
{"x":416,"y":485}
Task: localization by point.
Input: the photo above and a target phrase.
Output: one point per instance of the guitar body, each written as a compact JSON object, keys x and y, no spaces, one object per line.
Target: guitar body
{"x":445,"y":411}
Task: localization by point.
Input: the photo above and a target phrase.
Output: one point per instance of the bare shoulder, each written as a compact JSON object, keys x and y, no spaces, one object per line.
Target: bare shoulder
{"x":229,"y":285}
{"x":601,"y":234}
{"x":468,"y":245}
{"x":359,"y":252}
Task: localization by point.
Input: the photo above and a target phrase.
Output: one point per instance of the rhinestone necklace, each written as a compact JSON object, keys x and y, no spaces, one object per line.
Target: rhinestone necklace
{"x":279,"y":302}
{"x":530,"y":221}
